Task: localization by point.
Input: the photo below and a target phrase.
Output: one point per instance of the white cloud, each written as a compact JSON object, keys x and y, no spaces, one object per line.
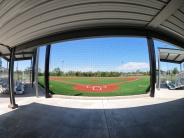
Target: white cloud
{"x":82,"y":69}
{"x":130,"y":66}
{"x":133,"y":66}
{"x":92,"y":68}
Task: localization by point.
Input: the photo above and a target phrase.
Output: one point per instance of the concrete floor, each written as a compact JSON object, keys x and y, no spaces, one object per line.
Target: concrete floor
{"x":103,"y":118}
{"x":164,"y":92}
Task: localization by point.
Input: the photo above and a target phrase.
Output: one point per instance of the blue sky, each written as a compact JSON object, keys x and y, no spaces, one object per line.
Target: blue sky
{"x":22,"y":65}
{"x":103,"y":54}
{"x":99,"y":54}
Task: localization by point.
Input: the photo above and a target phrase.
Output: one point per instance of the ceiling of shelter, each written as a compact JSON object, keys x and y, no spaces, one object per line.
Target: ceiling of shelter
{"x":171,"y":55}
{"x":24,"y":20}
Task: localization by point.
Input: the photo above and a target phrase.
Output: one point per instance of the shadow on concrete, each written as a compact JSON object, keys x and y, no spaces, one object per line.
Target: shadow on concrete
{"x":165,"y":120}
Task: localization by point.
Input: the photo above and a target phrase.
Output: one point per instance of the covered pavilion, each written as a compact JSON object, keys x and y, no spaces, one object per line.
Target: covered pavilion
{"x":26,"y":25}
{"x":171,"y":55}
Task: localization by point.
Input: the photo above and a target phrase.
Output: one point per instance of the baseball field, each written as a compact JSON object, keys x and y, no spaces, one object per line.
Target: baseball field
{"x":98,"y":86}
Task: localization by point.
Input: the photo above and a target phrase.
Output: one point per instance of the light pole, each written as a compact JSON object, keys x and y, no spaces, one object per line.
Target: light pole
{"x":62,"y":65}
{"x":120,"y":70}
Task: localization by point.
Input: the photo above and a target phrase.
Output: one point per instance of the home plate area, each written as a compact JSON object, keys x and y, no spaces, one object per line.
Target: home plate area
{"x":97,"y":87}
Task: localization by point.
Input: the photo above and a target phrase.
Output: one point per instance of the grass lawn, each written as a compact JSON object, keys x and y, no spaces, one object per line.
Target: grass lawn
{"x":135,"y":87}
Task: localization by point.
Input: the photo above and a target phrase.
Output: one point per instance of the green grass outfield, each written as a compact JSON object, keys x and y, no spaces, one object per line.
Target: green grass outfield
{"x":140,"y":86}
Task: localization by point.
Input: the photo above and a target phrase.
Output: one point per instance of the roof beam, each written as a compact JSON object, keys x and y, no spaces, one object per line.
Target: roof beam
{"x":5,"y":58}
{"x":100,"y":31}
{"x":5,"y":46}
{"x":165,"y":13}
{"x":182,"y":61}
{"x":171,"y":61}
{"x":22,"y":53}
{"x":177,"y":57}
{"x":25,"y":58}
{"x":167,"y":56}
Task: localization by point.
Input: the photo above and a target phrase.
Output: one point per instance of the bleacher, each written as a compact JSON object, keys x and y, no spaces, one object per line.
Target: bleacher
{"x":178,"y":83}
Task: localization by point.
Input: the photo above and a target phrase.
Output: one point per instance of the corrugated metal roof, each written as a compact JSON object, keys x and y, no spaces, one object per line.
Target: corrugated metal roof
{"x":171,"y":55}
{"x":25,"y":20}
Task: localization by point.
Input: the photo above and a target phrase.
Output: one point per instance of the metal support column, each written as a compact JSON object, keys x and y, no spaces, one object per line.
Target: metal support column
{"x":47,"y":58}
{"x":30,"y":71}
{"x":159,"y":75}
{"x":36,"y":73}
{"x":12,"y":105}
{"x":152,"y":60}
{"x":33,"y":68}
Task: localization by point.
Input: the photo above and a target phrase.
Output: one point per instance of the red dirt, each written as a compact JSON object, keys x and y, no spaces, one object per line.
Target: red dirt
{"x":97,"y":88}
{"x":127,"y":78}
{"x":94,"y":87}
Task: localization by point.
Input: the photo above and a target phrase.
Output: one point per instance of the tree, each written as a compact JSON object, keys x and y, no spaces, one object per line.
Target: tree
{"x":57,"y":71}
{"x":138,"y":71}
{"x":175,"y":71}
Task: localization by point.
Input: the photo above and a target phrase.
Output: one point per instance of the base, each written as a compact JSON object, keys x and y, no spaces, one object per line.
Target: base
{"x":13,"y":106}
